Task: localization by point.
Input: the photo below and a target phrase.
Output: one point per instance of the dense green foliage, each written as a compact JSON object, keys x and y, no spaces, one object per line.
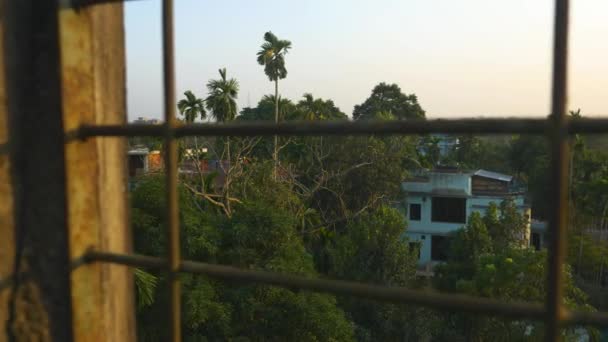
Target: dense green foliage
{"x":372,"y":250}
{"x":264,"y":111}
{"x":389,"y":98}
{"x":258,"y":236}
{"x":485,"y":262}
{"x":319,"y":109}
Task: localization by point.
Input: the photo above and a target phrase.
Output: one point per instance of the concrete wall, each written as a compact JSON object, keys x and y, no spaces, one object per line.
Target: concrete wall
{"x":436,"y":180}
{"x":425,"y":224}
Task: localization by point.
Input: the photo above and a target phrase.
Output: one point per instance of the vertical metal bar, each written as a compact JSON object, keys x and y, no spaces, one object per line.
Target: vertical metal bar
{"x":559,"y":169}
{"x":171,"y":172}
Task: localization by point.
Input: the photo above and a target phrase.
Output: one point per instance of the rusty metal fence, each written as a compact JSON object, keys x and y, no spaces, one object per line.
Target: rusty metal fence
{"x":556,"y":128}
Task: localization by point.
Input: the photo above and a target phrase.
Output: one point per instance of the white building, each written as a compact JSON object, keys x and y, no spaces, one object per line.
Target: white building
{"x":440,"y":201}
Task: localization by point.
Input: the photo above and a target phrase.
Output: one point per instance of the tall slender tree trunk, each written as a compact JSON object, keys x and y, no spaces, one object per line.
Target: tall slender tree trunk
{"x":227,"y":178}
{"x":197,"y":160}
{"x":276,"y":121}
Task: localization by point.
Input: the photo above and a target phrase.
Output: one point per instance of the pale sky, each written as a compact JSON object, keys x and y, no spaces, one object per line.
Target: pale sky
{"x":462,"y":58}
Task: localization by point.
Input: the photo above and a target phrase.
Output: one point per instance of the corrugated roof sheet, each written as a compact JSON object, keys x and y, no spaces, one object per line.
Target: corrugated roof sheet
{"x":493,"y":175}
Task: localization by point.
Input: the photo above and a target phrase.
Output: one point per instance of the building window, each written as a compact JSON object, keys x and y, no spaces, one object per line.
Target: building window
{"x":440,"y":246}
{"x":415,"y":248}
{"x":415,"y":212}
{"x":449,"y":209}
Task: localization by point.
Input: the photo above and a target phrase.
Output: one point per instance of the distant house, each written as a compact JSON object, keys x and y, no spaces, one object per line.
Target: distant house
{"x":137,"y":161}
{"x":145,"y":121}
{"x":439,"y":202}
{"x":140,"y":160}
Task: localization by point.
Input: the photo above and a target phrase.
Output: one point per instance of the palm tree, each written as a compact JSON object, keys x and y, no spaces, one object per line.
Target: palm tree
{"x":308,"y":107}
{"x":222,"y":97}
{"x":272,"y":57}
{"x":221,"y":102}
{"x":191,"y":107}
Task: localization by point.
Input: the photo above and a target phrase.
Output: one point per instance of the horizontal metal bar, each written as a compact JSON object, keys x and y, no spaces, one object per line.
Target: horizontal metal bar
{"x":368,"y":127}
{"x":586,"y":318}
{"x":7,"y":282}
{"x":87,"y":131}
{"x":309,"y":128}
{"x":433,"y":300}
{"x":460,"y":126}
{"x":588,"y":126}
